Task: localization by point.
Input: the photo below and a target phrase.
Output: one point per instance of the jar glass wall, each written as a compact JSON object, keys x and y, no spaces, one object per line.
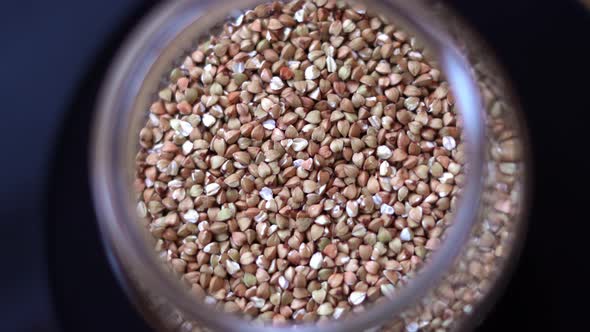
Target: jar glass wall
{"x":452,"y":291}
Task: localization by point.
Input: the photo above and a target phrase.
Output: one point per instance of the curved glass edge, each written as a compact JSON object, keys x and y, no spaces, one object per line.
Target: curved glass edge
{"x":480,"y":274}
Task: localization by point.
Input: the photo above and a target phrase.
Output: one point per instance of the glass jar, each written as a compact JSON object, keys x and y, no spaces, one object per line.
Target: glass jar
{"x":451,"y":292}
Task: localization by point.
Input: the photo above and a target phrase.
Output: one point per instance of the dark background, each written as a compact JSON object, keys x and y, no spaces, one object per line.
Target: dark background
{"x":54,"y":274}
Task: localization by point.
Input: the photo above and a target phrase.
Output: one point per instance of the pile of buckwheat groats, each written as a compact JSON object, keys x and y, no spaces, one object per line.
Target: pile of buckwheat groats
{"x":301,"y":163}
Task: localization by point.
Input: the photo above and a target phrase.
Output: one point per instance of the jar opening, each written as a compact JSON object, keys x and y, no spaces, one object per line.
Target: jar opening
{"x":158,"y":45}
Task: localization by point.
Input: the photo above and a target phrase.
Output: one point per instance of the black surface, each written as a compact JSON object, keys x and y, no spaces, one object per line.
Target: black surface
{"x":540,"y":44}
{"x":53,"y":58}
{"x":46,"y":48}
{"x":82,"y":283}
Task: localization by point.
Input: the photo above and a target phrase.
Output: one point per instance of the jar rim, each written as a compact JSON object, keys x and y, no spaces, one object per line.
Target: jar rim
{"x":117,"y":99}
